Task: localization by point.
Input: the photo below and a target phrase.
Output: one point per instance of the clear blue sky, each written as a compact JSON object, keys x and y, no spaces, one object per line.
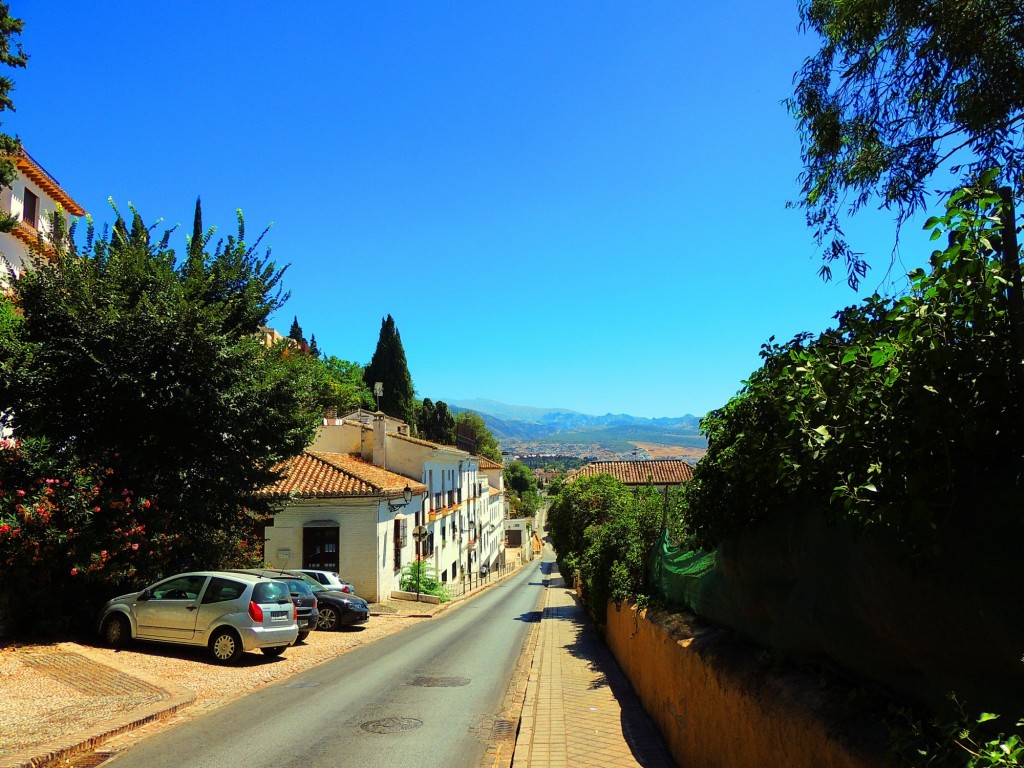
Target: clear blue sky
{"x":570,"y":204}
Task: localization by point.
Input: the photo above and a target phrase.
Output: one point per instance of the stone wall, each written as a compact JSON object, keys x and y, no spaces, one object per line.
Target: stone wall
{"x":719,"y":707}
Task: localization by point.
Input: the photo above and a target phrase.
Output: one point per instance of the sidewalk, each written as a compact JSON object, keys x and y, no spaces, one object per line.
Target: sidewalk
{"x":579,"y":709}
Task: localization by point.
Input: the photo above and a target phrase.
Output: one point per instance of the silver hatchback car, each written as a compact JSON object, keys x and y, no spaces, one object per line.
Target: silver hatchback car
{"x":227,"y":611}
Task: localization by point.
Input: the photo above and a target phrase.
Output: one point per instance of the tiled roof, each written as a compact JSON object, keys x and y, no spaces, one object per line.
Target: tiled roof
{"x":656,"y":472}
{"x":34,"y":171}
{"x":323,"y":475}
{"x":427,"y":443}
{"x":486,"y":463}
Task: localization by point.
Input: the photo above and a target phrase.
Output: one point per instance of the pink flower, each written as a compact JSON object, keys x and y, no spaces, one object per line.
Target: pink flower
{"x":74,"y":571}
{"x":20,"y":493}
{"x":135,"y":547}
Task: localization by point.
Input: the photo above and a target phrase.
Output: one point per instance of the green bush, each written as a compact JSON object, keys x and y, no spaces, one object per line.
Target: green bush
{"x":603,"y":532}
{"x":897,"y":420}
{"x":422,"y":577}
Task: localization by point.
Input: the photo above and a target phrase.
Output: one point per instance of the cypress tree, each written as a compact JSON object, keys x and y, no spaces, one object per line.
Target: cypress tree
{"x":389,"y":367}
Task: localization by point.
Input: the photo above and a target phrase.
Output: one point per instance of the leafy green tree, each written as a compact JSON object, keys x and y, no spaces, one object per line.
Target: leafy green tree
{"x":522,"y":489}
{"x":388,"y":366}
{"x":484,"y":442}
{"x":519,"y":478}
{"x":897,"y":421}
{"x":435,"y":422}
{"x":155,"y":374}
{"x":896,"y":91}
{"x":603,"y":532}
{"x":346,"y":389}
{"x":11,"y":55}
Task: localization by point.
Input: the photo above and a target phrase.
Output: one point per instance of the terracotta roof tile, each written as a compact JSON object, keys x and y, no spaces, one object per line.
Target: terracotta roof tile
{"x":657,"y":472}
{"x":324,"y":475}
{"x":427,"y":443}
{"x":486,"y":463}
{"x":34,"y":171}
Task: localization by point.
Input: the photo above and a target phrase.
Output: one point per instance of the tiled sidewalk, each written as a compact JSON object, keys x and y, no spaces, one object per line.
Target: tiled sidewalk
{"x":580,"y":710}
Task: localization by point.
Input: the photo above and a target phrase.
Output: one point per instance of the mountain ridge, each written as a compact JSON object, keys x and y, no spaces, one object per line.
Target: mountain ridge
{"x":530,"y":428}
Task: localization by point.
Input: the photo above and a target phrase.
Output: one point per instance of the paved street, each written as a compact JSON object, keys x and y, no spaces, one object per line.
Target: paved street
{"x":437,"y":690}
{"x":429,"y":694}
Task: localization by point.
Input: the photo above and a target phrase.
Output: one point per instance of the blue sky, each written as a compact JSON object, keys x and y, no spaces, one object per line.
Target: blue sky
{"x":577,"y":205}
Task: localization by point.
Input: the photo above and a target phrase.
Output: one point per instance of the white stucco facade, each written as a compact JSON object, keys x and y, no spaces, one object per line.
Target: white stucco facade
{"x":459,"y":505}
{"x":33,"y":199}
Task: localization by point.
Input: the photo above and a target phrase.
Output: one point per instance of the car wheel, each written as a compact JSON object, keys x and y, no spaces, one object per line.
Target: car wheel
{"x":116,"y":630}
{"x":302,"y":637}
{"x":277,"y":650}
{"x":328,"y":619}
{"x":226,"y":646}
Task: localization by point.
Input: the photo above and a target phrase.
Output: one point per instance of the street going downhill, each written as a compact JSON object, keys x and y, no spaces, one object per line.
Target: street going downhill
{"x":429,"y":694}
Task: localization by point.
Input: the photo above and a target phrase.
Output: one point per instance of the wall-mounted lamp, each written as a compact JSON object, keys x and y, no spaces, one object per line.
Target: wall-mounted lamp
{"x":406,"y":498}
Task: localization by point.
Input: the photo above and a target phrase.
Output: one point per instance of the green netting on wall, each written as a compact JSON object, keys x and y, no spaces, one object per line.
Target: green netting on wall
{"x":678,"y":575}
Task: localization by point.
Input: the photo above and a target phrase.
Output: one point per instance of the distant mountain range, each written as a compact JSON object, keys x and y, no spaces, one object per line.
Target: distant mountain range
{"x":614,"y":432}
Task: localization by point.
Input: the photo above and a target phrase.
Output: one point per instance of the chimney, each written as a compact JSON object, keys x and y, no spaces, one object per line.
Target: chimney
{"x":380,"y":439}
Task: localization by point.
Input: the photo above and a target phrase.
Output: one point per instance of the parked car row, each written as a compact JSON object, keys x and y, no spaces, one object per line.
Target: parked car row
{"x":231,"y":611}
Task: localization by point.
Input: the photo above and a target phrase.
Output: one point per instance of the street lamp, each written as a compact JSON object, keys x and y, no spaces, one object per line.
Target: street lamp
{"x":395,"y":505}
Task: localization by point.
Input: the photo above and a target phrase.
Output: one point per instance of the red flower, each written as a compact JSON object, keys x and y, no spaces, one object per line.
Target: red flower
{"x":74,"y":571}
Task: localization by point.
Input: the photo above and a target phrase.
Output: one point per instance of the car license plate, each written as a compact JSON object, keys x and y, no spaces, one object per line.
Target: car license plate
{"x":279,"y":615}
{"x":303,"y":623}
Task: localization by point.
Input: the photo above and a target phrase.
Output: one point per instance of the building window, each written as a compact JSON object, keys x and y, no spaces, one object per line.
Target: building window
{"x":30,"y":213}
{"x":400,"y":533}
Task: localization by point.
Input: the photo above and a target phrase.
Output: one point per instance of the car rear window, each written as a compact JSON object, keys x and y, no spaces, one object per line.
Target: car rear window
{"x":271,"y":592}
{"x":299,"y":587}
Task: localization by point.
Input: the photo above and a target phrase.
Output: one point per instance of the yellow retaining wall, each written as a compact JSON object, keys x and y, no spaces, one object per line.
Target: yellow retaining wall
{"x":718,"y":707}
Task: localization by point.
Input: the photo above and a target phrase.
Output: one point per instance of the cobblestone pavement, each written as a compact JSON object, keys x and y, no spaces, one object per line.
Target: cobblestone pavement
{"x":579,"y":709}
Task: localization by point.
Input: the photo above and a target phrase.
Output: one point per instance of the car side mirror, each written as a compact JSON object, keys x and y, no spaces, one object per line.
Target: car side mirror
{"x":145,"y":595}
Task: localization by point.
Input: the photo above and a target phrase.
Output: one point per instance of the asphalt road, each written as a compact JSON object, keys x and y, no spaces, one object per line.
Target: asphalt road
{"x":425,"y":696}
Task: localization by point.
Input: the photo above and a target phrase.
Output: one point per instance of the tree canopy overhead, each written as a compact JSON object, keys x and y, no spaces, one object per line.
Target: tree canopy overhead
{"x":898,"y":90}
{"x":127,"y":362}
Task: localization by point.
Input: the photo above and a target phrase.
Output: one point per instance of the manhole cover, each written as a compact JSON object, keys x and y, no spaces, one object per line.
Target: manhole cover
{"x":310,"y":684}
{"x":440,"y":682}
{"x":392,"y":725}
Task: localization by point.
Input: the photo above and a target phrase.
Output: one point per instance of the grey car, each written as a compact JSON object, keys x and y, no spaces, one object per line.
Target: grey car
{"x":228,"y":612}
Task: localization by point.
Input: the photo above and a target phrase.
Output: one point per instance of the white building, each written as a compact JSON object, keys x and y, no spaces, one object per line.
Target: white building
{"x":344,"y":499}
{"x":34,"y":197}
